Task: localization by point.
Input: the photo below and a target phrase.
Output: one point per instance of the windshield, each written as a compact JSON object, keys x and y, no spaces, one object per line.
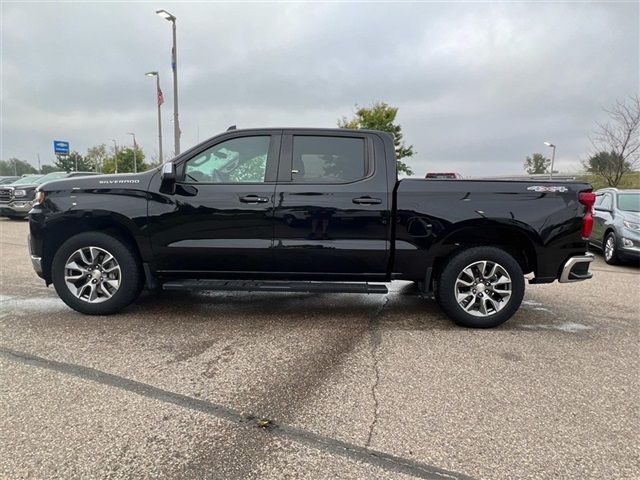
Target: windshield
{"x":30,"y":180}
{"x":629,"y":202}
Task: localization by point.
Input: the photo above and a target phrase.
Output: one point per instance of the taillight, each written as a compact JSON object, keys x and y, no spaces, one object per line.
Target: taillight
{"x":587,"y":199}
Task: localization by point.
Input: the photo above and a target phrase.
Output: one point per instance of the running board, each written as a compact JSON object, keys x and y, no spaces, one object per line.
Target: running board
{"x":275,"y":286}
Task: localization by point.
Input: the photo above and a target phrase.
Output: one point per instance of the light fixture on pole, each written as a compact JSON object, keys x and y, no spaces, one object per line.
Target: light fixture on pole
{"x":174,"y":66}
{"x":160,"y":101}
{"x":115,"y":154}
{"x":553,"y":157}
{"x":135,"y":147}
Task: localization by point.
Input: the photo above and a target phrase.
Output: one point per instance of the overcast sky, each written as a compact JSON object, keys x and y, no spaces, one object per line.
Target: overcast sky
{"x":479,"y":85}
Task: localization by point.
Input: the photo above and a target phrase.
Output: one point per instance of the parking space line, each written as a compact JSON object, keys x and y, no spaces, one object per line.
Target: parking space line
{"x":372,"y":457}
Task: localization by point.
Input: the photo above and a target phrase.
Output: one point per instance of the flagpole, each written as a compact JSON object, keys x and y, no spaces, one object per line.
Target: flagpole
{"x":159,"y":103}
{"x":174,"y":66}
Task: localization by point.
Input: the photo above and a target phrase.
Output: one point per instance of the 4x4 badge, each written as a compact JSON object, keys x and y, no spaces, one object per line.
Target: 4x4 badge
{"x":547,"y":189}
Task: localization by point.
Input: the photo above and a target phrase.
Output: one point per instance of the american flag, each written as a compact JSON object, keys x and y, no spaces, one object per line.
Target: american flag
{"x":160,"y":97}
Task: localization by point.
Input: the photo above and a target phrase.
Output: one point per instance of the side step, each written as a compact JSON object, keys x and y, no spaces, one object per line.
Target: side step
{"x":275,"y":286}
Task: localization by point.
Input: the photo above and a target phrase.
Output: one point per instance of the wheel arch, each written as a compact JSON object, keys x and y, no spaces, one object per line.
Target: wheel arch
{"x":62,"y":228}
{"x":517,"y":240}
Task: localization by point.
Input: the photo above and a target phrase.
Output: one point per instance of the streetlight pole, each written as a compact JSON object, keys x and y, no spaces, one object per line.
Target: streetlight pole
{"x":159,"y":101}
{"x":115,"y":155}
{"x":135,"y":147}
{"x":553,"y":157}
{"x":174,"y":66}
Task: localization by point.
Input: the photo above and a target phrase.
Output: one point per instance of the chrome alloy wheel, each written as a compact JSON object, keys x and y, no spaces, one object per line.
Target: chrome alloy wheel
{"x":483,"y":288}
{"x":92,"y":274}
{"x":609,"y":246}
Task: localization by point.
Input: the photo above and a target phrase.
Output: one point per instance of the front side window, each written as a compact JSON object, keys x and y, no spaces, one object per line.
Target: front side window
{"x":239,"y":160}
{"x":606,"y":203}
{"x":327,"y":159}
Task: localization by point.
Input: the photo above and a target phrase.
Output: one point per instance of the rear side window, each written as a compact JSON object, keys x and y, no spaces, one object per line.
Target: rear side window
{"x":328,"y":159}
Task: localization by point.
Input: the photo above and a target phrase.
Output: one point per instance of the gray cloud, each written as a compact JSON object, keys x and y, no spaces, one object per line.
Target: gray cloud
{"x":479,"y":86}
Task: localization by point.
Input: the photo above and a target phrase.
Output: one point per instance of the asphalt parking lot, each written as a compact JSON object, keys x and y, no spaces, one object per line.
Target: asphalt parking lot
{"x":232,"y":385}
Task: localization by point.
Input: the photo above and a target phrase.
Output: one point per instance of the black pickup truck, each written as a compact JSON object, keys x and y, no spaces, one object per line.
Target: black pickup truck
{"x":317,"y":210}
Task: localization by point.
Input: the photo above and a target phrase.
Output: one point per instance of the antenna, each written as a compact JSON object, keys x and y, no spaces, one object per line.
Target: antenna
{"x":232,"y":127}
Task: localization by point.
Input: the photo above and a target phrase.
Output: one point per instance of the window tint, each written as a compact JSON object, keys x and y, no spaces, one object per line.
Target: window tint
{"x":239,"y":160}
{"x":606,"y":203}
{"x":327,"y":159}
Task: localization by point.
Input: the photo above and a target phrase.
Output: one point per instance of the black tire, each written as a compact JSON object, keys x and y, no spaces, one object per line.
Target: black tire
{"x":445,"y":293}
{"x":611,"y":257}
{"x":131,"y":280}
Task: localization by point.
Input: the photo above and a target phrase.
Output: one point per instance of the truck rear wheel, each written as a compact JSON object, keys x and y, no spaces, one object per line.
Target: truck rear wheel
{"x":480,"y":287}
{"x":96,"y":274}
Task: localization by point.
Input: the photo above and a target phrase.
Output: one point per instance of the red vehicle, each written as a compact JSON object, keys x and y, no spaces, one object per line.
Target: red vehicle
{"x":441,"y":176}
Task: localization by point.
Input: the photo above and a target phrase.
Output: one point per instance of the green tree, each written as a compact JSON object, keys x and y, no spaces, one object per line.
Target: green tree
{"x":96,"y":156}
{"x":67,"y":163}
{"x":13,"y":166}
{"x":48,"y":169}
{"x":537,"y":163}
{"x":381,"y":116}
{"x":608,"y":165}
{"x":125,"y":161}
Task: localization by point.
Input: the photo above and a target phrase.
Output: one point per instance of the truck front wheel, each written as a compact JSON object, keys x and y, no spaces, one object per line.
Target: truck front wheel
{"x":480,"y":287}
{"x":96,"y":274}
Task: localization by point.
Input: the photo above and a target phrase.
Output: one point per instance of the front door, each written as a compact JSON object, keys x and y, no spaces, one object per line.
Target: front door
{"x":332,"y":207}
{"x":220,"y":218}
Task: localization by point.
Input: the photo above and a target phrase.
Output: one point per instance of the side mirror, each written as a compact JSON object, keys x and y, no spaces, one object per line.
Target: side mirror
{"x":168,"y":178}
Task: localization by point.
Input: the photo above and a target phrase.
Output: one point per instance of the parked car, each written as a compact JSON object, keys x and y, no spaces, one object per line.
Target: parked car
{"x":443,"y":175}
{"x":7,"y":180}
{"x":617,"y":225}
{"x":16,"y":199}
{"x":315,"y":210}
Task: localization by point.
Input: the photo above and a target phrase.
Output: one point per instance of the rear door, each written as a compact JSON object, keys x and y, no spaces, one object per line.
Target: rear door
{"x":332,"y":208}
{"x":602,"y":216}
{"x":220,"y":219}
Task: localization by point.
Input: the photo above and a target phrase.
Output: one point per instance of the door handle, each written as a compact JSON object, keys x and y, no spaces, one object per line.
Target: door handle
{"x":367,"y":201}
{"x":253,"y":199}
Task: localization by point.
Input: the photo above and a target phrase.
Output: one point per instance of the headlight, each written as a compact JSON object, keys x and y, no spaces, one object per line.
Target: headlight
{"x":19,"y":193}
{"x":632,"y":226}
{"x":39,"y":198}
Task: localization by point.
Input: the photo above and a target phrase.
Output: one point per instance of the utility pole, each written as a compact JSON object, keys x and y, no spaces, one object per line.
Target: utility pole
{"x":39,"y":167}
{"x":553,"y":157}
{"x":115,"y":155}
{"x":135,"y":147}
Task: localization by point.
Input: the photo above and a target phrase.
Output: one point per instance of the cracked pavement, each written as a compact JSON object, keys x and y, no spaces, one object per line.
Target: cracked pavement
{"x":227,"y":385}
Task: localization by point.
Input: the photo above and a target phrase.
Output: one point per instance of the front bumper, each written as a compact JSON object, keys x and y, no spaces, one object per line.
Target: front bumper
{"x":16,"y":207}
{"x":36,"y":262}
{"x":35,"y":253}
{"x":576,"y":269}
{"x":629,"y":244}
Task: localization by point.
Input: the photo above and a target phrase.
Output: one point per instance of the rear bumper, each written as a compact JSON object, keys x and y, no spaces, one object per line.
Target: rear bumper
{"x":576,"y":269}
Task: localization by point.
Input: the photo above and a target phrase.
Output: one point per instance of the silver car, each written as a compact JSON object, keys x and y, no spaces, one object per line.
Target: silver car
{"x":616,"y":228}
